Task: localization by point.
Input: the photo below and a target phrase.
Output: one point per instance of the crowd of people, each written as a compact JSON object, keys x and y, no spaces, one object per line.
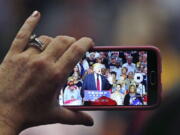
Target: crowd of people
{"x":122,"y":75}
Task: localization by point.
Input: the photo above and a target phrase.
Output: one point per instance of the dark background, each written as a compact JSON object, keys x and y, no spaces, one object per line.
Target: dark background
{"x":108,"y":22}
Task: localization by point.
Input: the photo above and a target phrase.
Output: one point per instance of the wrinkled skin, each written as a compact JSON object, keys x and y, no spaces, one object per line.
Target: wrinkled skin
{"x":29,"y":79}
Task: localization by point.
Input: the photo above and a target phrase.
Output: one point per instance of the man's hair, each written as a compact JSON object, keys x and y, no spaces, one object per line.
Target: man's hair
{"x":113,"y":73}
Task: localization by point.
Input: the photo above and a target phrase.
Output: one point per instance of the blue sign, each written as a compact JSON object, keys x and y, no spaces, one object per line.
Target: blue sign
{"x":92,"y":95}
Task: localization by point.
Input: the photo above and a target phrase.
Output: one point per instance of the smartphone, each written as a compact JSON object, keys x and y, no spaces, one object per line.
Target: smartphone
{"x":114,"y":77}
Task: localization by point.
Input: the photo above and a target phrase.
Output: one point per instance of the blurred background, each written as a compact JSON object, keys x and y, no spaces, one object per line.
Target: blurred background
{"x":108,"y":22}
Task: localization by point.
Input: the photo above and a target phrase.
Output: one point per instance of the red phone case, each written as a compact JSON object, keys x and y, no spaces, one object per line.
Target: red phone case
{"x":159,"y":85}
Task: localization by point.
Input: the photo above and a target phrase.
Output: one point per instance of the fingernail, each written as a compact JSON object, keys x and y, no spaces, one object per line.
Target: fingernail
{"x":35,"y":14}
{"x":90,"y":123}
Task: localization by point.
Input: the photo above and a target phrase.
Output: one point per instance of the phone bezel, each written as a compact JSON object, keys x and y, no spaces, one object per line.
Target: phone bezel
{"x":154,"y":95}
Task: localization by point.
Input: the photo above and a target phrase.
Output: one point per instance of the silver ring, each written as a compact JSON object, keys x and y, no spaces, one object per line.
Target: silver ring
{"x":34,"y":41}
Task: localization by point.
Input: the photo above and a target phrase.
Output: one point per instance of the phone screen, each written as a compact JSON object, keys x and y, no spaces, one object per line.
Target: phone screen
{"x":108,"y":78}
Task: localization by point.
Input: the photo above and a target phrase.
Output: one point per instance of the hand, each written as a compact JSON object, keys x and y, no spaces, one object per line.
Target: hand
{"x":29,"y":79}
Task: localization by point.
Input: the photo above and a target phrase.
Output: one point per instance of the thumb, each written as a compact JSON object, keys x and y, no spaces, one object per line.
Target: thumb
{"x":66,"y":116}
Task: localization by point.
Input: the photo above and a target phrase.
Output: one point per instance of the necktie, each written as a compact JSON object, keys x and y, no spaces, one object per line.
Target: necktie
{"x":98,"y":83}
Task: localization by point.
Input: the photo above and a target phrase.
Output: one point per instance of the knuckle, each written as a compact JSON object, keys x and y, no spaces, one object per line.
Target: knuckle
{"x":40,"y":62}
{"x":8,"y":61}
{"x":44,"y":37}
{"x":30,"y":22}
{"x":21,"y":35}
{"x":78,"y":48}
{"x":87,"y":39}
{"x":22,"y":58}
{"x":64,"y":39}
{"x":72,"y":39}
{"x":57,"y":74}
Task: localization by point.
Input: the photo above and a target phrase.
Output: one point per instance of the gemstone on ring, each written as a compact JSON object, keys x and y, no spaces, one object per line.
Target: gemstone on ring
{"x":34,"y":41}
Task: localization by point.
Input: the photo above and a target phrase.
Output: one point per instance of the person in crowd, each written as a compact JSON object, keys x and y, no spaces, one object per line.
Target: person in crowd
{"x":141,"y":68}
{"x":72,"y":93}
{"x":141,"y":89}
{"x":99,"y":60}
{"x":104,"y":58}
{"x":129,"y":64}
{"x":117,"y":69}
{"x":142,"y":60}
{"x":77,"y":80}
{"x":114,"y":54}
{"x":76,"y":70}
{"x":112,"y":77}
{"x":95,"y":81}
{"x":103,"y":71}
{"x":123,"y":87}
{"x":83,"y":66}
{"x":107,"y":72}
{"x":145,"y":70}
{"x":133,"y":98}
{"x":143,"y":73}
{"x":113,"y":74}
{"x":117,"y":95}
{"x":91,"y":59}
{"x":123,"y":75}
{"x":145,"y":59}
{"x":139,"y":63}
{"x":113,"y":63}
{"x":130,"y":80}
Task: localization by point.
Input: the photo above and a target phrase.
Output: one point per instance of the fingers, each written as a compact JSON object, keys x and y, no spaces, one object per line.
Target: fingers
{"x":46,"y":40}
{"x":74,"y":54}
{"x":58,"y":46}
{"x":66,"y":116}
{"x":22,"y":37}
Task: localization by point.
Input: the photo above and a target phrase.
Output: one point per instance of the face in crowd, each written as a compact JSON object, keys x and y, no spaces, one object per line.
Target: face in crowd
{"x":124,"y":70}
{"x":99,"y":60}
{"x":113,"y":74}
{"x":92,"y":56}
{"x":140,"y":58}
{"x":118,"y":87}
{"x":71,"y":84}
{"x":113,"y":61}
{"x":131,"y":75}
{"x":97,"y":69}
{"x":132,"y":89}
{"x":142,"y":68}
{"x":76,"y":69}
{"x":129,"y":59}
{"x":102,"y":55}
{"x":144,"y":58}
{"x":76,"y":76}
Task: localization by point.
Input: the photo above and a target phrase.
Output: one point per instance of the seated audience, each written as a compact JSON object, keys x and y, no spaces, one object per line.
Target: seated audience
{"x":133,"y":98}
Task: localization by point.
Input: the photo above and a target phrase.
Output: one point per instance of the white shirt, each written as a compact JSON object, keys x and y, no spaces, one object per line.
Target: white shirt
{"x":118,"y":97}
{"x":85,"y":65}
{"x":141,"y":89}
{"x":100,"y":80}
{"x":131,"y":67}
{"x":72,"y":94}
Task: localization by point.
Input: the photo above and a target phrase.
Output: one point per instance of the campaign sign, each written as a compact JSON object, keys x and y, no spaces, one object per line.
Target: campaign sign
{"x":92,"y":95}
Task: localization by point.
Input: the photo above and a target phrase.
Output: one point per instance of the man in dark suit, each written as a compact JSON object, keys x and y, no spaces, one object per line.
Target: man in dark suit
{"x":95,"y":81}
